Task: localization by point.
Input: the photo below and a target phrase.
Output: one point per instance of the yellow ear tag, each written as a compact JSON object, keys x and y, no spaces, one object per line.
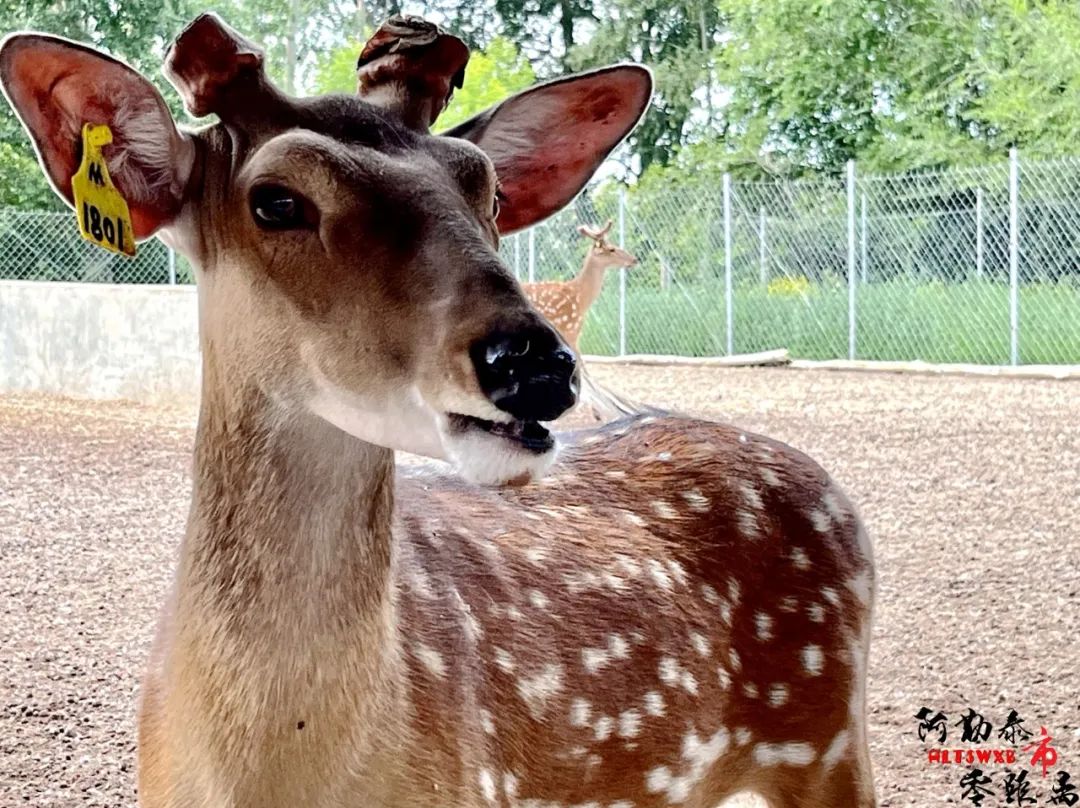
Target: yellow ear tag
{"x":102,"y":211}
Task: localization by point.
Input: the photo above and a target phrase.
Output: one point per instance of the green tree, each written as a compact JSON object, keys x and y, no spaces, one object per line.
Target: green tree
{"x":677,"y":40}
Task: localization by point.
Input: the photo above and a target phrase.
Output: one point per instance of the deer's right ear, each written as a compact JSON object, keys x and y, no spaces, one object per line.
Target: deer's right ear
{"x":56,"y":86}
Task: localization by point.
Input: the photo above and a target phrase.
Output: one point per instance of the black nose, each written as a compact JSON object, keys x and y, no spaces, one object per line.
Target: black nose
{"x":530,"y":374}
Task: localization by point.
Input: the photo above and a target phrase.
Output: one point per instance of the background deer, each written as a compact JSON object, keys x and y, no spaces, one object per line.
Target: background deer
{"x":565,"y":304}
{"x":672,"y":612}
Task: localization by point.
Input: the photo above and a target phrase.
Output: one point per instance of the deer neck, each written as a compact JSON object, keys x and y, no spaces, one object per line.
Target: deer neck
{"x":289,"y":538}
{"x":590,"y":279}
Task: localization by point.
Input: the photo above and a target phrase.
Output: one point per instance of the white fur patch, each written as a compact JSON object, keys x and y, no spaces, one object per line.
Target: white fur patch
{"x":787,"y":754}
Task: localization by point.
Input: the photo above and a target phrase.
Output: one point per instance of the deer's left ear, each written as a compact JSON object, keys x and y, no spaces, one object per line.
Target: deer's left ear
{"x":547,"y":141}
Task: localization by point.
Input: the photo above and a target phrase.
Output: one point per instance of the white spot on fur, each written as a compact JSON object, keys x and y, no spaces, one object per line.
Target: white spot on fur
{"x":750,"y":690}
{"x":538,"y":599}
{"x":487,"y":785}
{"x":431,"y":659}
{"x":799,"y":558}
{"x":820,"y":521}
{"x":659,"y":574}
{"x":813,"y":660}
{"x":789,"y":604}
{"x":835,"y":753}
{"x":769,"y":477}
{"x":695,"y":500}
{"x":537,"y":690}
{"x":669,"y":671}
{"x":510,"y":785}
{"x":778,"y":694}
{"x":678,"y":571}
{"x":816,"y":612}
{"x":595,"y":659}
{"x":628,"y":565}
{"x":580,"y":711}
{"x":536,"y":556}
{"x":618,"y":646}
{"x":763,"y":624}
{"x":603,"y":727}
{"x":689,"y":683}
{"x":504,"y":660}
{"x":629,"y":723}
{"x":734,"y":660}
{"x":743,"y":736}
{"x":836,"y":511}
{"x":658,"y":779}
{"x":861,"y":586}
{"x":487,"y":722}
{"x":654,"y":704}
{"x":751,"y":497}
{"x":724,"y":677}
{"x":788,"y":754}
{"x":734,"y":592}
{"x":710,"y":594}
{"x":830,"y":595}
{"x":699,"y":758}
{"x":748,"y":524}
{"x":700,"y":643}
{"x":632,"y":518}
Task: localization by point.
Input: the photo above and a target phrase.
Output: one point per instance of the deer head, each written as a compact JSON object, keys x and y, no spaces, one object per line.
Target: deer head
{"x":602,"y":251}
{"x":358,"y":251}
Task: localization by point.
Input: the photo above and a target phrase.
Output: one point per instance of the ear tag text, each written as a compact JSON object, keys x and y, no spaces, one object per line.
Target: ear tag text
{"x":101,"y":209}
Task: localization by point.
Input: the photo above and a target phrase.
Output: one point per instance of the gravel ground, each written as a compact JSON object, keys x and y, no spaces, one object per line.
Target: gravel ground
{"x":970,"y":488}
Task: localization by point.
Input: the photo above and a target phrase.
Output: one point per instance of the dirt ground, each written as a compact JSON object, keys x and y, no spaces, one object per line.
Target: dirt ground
{"x":970,"y":487}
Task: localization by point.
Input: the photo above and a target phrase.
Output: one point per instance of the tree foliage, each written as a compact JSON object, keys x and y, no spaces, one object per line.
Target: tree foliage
{"x":753,"y":87}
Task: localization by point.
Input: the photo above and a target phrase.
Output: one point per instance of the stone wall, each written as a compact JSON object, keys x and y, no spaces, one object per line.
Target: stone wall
{"x":99,"y":341}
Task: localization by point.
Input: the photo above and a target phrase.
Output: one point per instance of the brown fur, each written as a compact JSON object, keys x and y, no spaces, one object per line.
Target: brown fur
{"x":341,"y":636}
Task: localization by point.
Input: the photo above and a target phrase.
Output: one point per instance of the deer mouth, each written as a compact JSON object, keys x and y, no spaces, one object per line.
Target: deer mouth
{"x":529,"y":435}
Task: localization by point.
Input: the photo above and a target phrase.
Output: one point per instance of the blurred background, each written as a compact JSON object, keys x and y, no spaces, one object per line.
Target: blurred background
{"x":847,"y":179}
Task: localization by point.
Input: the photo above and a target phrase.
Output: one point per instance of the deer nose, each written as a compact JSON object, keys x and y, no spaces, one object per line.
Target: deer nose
{"x":529,"y":374}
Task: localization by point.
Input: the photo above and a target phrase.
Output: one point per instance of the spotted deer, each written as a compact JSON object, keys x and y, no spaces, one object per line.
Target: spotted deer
{"x":670,"y":612}
{"x":565,"y":303}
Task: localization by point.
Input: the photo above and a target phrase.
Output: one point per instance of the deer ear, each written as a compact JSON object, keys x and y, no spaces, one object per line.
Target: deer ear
{"x":547,"y":141}
{"x":56,"y":86}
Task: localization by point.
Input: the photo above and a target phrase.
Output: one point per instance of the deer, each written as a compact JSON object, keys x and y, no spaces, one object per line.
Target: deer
{"x":660,"y":611}
{"x":565,"y":304}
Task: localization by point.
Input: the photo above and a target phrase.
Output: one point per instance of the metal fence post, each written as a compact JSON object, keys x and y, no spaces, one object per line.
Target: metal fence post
{"x":979,"y":232}
{"x":862,"y":239}
{"x":532,"y":254}
{"x":622,"y":274}
{"x":851,"y":256}
{"x":762,"y":257}
{"x":729,"y":298}
{"x":172,"y":266}
{"x":1014,"y":258}
{"x":517,"y":256}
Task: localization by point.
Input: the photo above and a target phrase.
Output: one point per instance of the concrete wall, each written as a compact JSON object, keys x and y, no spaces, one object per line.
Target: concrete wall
{"x":99,"y":341}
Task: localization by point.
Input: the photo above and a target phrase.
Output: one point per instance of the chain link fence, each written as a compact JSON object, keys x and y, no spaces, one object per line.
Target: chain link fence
{"x":978,"y":265}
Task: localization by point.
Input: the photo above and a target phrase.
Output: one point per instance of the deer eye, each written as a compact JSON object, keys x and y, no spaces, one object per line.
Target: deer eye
{"x":496,"y":203}
{"x":277,"y":208}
